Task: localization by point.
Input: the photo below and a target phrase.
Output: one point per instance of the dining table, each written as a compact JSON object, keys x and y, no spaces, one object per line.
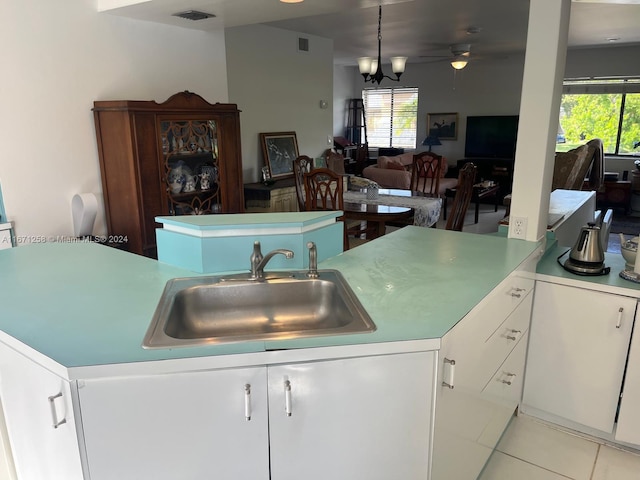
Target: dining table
{"x":391,"y":205}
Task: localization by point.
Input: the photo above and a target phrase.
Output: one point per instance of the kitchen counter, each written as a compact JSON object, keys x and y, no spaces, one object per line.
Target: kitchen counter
{"x":79,"y":305}
{"x":549,"y":270}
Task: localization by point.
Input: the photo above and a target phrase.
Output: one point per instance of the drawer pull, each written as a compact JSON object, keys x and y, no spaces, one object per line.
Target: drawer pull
{"x":508,"y":375}
{"x":619,"y":317}
{"x":517,"y":290}
{"x":54,"y":413}
{"x":515,"y":331}
{"x":247,"y":402}
{"x":510,"y":337}
{"x":287,"y":397}
{"x":449,"y":373}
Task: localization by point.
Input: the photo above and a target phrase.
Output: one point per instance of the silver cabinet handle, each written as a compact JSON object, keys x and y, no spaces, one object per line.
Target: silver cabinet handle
{"x":449,"y":374}
{"x":54,"y":413}
{"x":514,"y":332}
{"x":509,"y":375}
{"x":619,"y":317}
{"x":517,"y":289}
{"x":287,"y":397}
{"x":247,"y":402}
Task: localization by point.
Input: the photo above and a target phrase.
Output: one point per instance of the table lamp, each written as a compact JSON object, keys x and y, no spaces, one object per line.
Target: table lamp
{"x":431,"y":140}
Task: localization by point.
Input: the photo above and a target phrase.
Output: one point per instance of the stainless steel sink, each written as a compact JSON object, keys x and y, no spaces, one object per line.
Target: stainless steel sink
{"x":286,"y":305}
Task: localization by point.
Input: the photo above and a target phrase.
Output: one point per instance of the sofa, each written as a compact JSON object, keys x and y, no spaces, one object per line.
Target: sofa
{"x":395,"y":172}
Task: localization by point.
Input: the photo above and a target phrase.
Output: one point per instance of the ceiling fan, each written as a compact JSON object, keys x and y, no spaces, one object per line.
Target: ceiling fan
{"x":459,"y":56}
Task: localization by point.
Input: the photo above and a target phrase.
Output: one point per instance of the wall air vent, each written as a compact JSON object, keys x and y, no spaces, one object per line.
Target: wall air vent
{"x":193,"y":15}
{"x":303,"y":44}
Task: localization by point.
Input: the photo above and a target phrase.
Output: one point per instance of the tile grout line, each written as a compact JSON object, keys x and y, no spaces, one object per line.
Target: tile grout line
{"x":538,"y":466}
{"x":595,"y":460}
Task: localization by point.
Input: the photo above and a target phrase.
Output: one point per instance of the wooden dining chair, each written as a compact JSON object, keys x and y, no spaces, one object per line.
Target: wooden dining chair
{"x":425,"y":173}
{"x":301,"y":165}
{"x":464,"y":191}
{"x":335,"y":162}
{"x":324,"y":191}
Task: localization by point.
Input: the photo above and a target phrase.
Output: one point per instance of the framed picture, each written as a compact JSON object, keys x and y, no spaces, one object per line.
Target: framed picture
{"x":280,"y":149}
{"x":443,"y":125}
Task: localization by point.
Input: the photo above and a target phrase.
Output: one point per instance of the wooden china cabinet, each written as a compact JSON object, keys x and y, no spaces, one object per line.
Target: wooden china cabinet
{"x":179,"y":157}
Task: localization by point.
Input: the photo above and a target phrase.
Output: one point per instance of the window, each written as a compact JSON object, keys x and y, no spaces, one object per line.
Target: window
{"x":392,"y":116}
{"x":605,"y":108}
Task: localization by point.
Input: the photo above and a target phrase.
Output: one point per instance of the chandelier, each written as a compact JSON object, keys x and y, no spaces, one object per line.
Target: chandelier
{"x":371,"y":69}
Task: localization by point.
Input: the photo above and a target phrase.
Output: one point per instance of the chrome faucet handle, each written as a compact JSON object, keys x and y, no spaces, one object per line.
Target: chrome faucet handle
{"x":313,"y":260}
{"x":255,"y":259}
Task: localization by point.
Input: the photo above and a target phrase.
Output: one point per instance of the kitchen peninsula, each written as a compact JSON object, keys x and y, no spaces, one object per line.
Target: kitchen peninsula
{"x":82,"y":398}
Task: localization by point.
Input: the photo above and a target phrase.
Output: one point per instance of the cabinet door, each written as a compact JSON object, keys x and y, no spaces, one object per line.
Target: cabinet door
{"x":628,"y":429}
{"x":353,"y":418}
{"x":188,"y":426}
{"x":577,"y":352}
{"x":40,"y":420}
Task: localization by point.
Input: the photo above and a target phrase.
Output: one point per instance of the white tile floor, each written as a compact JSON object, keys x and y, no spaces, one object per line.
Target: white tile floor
{"x":532,"y":450}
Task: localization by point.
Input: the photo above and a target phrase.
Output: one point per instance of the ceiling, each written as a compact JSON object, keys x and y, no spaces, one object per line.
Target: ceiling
{"x":418,"y":29}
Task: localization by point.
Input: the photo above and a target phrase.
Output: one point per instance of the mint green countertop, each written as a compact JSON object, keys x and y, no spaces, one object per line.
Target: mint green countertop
{"x":85,"y":304}
{"x":549,"y":269}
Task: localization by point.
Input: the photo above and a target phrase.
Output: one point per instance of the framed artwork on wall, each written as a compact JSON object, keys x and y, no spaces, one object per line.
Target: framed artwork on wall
{"x":280,"y":149}
{"x":443,"y":125}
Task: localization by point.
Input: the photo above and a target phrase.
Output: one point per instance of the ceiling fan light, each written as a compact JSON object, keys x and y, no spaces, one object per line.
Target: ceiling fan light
{"x":398,"y":64}
{"x":364,"y":64}
{"x":459,"y":63}
{"x":291,"y":1}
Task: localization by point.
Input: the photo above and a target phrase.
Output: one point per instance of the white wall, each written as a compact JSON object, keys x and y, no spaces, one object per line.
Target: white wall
{"x":59,"y":57}
{"x":279,"y":89}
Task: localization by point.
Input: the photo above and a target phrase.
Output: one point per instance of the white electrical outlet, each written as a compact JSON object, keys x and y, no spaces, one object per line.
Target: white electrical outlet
{"x":519,"y":227}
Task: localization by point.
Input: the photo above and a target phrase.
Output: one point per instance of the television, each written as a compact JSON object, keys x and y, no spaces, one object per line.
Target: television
{"x":491,"y":136}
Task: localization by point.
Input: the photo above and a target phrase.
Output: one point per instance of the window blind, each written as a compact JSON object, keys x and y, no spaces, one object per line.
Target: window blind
{"x":601,"y":85}
{"x":392,"y":116}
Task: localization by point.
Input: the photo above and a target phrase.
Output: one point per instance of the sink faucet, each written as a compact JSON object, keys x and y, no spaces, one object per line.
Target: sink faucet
{"x":258,"y":261}
{"x":313,"y":260}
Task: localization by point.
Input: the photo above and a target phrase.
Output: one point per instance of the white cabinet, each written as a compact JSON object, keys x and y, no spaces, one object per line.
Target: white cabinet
{"x":40,"y":420}
{"x":577,"y":354}
{"x":481,"y":365}
{"x":628,"y":427}
{"x":339,"y":419}
{"x":366,"y":417}
{"x":186,"y":426}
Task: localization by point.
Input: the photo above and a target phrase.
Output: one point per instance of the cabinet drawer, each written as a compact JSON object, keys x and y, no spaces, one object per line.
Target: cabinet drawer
{"x":501,"y":302}
{"x":504,"y":391}
{"x":478,"y":352}
{"x":506,"y":384}
{"x":500,"y":344}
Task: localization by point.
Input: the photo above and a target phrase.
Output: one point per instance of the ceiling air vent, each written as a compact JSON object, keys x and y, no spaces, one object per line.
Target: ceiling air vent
{"x":303,"y":44}
{"x":194,"y":15}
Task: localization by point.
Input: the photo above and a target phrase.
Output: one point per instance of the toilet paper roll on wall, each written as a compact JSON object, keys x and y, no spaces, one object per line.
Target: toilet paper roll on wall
{"x":84,"y":207}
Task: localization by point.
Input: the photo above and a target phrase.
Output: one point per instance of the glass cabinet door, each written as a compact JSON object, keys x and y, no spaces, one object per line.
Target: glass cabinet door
{"x":191,"y":167}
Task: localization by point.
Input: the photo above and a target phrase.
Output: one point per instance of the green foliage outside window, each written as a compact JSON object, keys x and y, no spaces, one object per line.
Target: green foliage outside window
{"x":587,"y":116}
